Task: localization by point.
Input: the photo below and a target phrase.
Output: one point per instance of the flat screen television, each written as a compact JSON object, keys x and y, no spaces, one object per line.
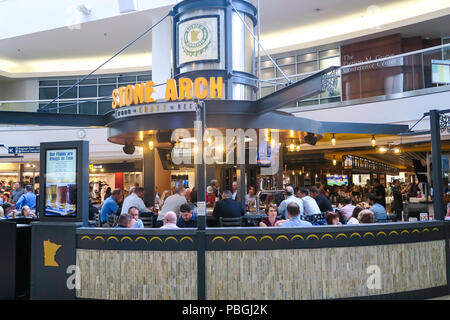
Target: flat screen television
{"x":61,"y":183}
{"x":337,"y":180}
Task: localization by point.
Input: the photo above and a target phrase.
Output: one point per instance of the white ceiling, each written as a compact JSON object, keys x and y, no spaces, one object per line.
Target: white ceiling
{"x":98,"y":40}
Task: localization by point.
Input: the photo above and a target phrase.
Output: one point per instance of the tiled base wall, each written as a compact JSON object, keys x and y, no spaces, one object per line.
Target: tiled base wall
{"x":325,"y":273}
{"x":137,"y":275}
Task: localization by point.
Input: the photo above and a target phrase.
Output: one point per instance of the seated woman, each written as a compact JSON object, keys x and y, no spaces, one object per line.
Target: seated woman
{"x":366,"y":216}
{"x":271,"y":220}
{"x":210,"y":197}
{"x":332,"y":218}
{"x":27,"y":213}
{"x":354,"y":218}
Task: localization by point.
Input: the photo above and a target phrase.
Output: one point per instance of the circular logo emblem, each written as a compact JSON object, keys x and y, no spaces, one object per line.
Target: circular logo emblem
{"x":196,"y":40}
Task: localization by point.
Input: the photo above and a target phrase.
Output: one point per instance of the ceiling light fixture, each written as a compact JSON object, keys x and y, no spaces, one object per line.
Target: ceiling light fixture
{"x":373,"y":141}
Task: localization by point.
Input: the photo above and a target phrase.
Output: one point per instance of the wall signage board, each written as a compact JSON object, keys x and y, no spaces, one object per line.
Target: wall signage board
{"x":440,"y":71}
{"x":21,"y":150}
{"x":198,"y":40}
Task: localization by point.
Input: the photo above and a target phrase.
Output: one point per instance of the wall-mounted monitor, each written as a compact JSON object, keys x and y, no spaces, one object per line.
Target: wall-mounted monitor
{"x":337,"y":180}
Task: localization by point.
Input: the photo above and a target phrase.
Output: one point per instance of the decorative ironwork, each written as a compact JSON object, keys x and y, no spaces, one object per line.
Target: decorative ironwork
{"x":444,"y":123}
{"x":330,"y":81}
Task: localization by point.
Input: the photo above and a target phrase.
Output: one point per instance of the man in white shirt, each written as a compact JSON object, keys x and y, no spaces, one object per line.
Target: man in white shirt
{"x":170,"y":221}
{"x":234,"y":188}
{"x":173,"y":203}
{"x":309,"y":204}
{"x":290,"y":197}
{"x":135,"y":200}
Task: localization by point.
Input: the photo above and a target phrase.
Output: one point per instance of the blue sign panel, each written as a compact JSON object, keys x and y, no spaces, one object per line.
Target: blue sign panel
{"x":20,"y":150}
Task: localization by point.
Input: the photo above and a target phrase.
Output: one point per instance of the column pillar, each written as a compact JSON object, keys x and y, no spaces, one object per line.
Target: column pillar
{"x":161,"y":53}
{"x":240,"y":174}
{"x":280,"y":168}
{"x":436,"y":171}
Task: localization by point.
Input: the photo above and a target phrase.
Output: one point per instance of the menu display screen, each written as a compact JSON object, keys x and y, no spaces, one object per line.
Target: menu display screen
{"x":337,"y":180}
{"x":61,"y":183}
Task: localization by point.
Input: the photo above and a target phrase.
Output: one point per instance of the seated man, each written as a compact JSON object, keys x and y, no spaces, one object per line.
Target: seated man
{"x":134,"y":212}
{"x":8,"y":210}
{"x":290,"y":197}
{"x":227,"y":207}
{"x":110,"y":207}
{"x":293,"y":212}
{"x":28,"y":198}
{"x":309,"y":204}
{"x":27,"y":213}
{"x":126,"y":221}
{"x":322,"y":201}
{"x":378,"y":210}
{"x":170,"y":221}
{"x":347,"y":209}
{"x":187,"y":219}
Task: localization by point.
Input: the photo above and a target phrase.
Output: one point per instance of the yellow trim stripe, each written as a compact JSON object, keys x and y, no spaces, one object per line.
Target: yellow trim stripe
{"x":139,"y":238}
{"x":157,"y":238}
{"x":126,"y":238}
{"x":112,"y":238}
{"x":297,"y":236}
{"x":250,"y":237}
{"x":218,"y":237}
{"x":312,"y":236}
{"x":86,"y":237}
{"x":99,"y":237}
{"x":264,"y":237}
{"x":173,"y":238}
{"x":282,"y":237}
{"x":187,"y":238}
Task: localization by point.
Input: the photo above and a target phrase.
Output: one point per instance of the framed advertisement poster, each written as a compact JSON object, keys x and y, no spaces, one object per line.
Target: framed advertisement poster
{"x":198,"y":40}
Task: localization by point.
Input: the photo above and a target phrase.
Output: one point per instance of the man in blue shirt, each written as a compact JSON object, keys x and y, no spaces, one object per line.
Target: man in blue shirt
{"x":290,"y":197}
{"x":27,"y":199}
{"x":378,"y":210}
{"x":187,"y":219}
{"x":110,"y":206}
{"x":293,"y":212}
{"x":134,"y":212}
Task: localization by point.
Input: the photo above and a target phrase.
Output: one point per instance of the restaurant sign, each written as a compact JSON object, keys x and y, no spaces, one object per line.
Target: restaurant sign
{"x":183,"y":90}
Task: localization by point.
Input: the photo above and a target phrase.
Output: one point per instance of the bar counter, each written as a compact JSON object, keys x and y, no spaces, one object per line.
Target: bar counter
{"x":326,"y":262}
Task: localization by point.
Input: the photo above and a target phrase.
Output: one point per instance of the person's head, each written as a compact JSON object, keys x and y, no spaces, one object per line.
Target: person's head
{"x":227,"y":194}
{"x":366,"y":216}
{"x":319,"y":185}
{"x":139,"y":192}
{"x":132,"y":190}
{"x":332,"y":218}
{"x":108,"y":190}
{"x":396,"y":183}
{"x":272,"y":211}
{"x":28,"y":188}
{"x":234,"y":186}
{"x":376,"y":182}
{"x":134,"y":212}
{"x":17,"y":186}
{"x":303,"y":192}
{"x":214,"y":183}
{"x":348,"y":200}
{"x":125,"y":220}
{"x":117,"y":195}
{"x":293,"y":210}
{"x":289,"y":191}
{"x":180,"y":191}
{"x":356,"y":211}
{"x":251,"y":191}
{"x":372,"y":199}
{"x":314,"y":191}
{"x":188,"y":194}
{"x":186,"y":212}
{"x":170,"y":217}
{"x":7,"y":208}
{"x":26,"y":211}
{"x":165,"y":194}
{"x":209,"y":189}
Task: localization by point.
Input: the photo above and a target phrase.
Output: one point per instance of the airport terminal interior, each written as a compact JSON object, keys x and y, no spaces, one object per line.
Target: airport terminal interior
{"x":212,"y":149}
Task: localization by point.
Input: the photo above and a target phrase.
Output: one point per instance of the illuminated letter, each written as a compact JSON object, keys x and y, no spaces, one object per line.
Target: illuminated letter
{"x":121,"y":96}
{"x":129,"y":93}
{"x":171,"y":90}
{"x":149,"y":91}
{"x":185,"y":88}
{"x":213,"y":86}
{"x":199,"y":84}
{"x":138,"y":93}
{"x":115,"y":98}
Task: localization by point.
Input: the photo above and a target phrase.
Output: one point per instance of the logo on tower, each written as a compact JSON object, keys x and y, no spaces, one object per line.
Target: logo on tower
{"x":198,"y":39}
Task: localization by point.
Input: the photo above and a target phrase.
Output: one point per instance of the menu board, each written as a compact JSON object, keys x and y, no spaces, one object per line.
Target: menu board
{"x":61,"y":183}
